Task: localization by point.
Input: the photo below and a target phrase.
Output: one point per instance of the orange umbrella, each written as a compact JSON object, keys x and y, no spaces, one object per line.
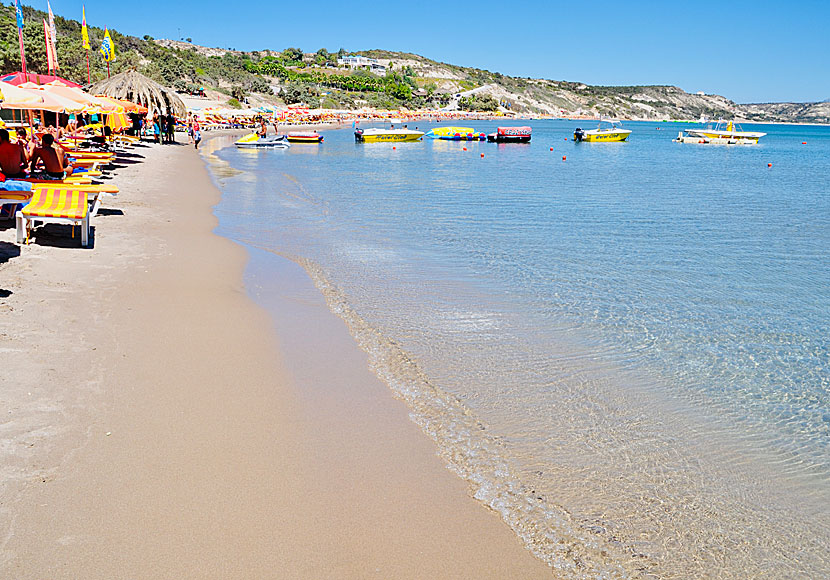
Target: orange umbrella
{"x":124,"y":105}
{"x":14,"y":97}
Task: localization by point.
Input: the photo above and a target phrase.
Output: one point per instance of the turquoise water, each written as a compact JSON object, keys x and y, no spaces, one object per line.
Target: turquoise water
{"x":624,"y":352}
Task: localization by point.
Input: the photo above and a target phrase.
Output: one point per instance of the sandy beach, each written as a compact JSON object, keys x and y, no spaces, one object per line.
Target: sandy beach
{"x":157,"y":423}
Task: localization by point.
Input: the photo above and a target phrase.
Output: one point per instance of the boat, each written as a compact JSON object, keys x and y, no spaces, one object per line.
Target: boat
{"x":254,"y":141}
{"x":720,"y":132}
{"x":305,"y":137}
{"x":510,"y":135}
{"x":457,"y":134}
{"x":386,"y":135}
{"x":606,"y":132}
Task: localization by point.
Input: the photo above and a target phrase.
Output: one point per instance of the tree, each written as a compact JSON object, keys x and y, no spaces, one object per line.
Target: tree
{"x":293,"y":54}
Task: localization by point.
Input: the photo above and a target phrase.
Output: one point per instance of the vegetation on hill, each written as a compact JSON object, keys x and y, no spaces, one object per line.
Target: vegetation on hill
{"x":410,"y":80}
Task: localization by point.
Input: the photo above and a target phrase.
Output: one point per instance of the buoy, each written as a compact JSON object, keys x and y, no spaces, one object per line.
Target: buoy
{"x":393,"y":148}
{"x":563,"y":158}
{"x":551,"y":148}
{"x":465,"y":148}
{"x":566,"y":138}
{"x":769,"y":164}
{"x":482,"y":155}
{"x":803,"y":142}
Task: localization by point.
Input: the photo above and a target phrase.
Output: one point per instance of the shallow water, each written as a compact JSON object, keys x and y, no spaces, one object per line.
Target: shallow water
{"x":625,"y":351}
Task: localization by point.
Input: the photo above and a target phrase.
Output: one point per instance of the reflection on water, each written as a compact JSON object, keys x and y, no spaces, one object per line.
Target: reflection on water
{"x":624,"y":352}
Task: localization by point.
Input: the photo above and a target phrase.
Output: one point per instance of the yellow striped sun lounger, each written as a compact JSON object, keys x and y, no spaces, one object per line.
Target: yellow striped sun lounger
{"x":57,"y":206}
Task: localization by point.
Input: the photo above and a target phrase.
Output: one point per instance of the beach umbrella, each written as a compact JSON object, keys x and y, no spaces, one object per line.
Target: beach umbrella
{"x":14,"y":97}
{"x":135,"y":87}
{"x":51,"y":101}
{"x":118,"y":121}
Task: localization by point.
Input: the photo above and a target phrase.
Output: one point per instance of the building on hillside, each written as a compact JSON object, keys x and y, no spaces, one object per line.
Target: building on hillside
{"x":358,"y":61}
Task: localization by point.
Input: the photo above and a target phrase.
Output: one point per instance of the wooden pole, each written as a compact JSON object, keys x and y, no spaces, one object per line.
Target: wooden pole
{"x":88,"y":78}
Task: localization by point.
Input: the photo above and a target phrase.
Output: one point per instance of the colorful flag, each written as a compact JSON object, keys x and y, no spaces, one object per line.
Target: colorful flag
{"x":18,"y":9}
{"x":84,"y":33}
{"x":50,"y":59}
{"x":53,"y":33}
{"x":107,"y":46}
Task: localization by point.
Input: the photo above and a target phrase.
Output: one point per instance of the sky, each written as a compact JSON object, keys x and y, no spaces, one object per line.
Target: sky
{"x":747,"y":51}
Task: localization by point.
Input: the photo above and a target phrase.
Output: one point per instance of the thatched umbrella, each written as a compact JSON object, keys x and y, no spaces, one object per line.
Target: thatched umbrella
{"x":134,"y":86}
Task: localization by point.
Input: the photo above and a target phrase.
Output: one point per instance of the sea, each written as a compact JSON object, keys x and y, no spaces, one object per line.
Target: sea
{"x":622,"y":347}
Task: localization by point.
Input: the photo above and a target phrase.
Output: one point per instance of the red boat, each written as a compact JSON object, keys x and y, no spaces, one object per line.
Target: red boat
{"x":510,"y":135}
{"x":305,"y":137}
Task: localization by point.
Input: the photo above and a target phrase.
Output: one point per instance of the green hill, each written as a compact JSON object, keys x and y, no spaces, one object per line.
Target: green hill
{"x":412,"y":81}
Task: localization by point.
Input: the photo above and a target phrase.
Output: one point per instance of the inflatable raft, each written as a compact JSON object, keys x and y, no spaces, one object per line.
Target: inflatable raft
{"x":456,"y":134}
{"x":510,"y":135}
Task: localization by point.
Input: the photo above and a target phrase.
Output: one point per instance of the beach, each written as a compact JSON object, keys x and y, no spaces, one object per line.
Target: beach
{"x":157,"y":423}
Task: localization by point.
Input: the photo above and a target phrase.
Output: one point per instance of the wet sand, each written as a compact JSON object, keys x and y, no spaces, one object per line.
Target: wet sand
{"x":156,"y":423}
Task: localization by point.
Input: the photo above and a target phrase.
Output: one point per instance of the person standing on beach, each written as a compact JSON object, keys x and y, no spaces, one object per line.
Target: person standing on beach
{"x":171,"y":128}
{"x":197,"y":133}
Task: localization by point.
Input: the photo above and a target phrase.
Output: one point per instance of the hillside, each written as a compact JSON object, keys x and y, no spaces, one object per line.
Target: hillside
{"x":410,"y":80}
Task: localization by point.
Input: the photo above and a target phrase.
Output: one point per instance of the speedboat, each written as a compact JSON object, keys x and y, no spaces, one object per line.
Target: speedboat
{"x":606,"y":131}
{"x":721,"y":132}
{"x":510,"y":135}
{"x":456,"y":134}
{"x":255,"y":141}
{"x":305,"y":137}
{"x":386,"y":135}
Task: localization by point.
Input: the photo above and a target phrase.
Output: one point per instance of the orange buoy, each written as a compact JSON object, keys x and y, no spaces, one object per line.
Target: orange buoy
{"x":482,"y":155}
{"x":803,"y":142}
{"x":551,"y":148}
{"x":393,"y":148}
{"x":566,"y":138}
{"x":563,"y":158}
{"x":769,"y":164}
{"x":465,"y":148}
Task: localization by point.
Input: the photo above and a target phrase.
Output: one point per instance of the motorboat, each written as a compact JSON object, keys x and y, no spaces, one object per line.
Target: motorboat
{"x":304,"y":137}
{"x":456,"y":134}
{"x":386,"y":135}
{"x":607,"y":131}
{"x":510,"y":135}
{"x":721,"y":132}
{"x":255,"y":141}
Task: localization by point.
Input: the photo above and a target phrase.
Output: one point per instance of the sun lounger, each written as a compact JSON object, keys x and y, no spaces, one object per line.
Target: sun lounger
{"x":12,"y":193}
{"x":59,"y":206}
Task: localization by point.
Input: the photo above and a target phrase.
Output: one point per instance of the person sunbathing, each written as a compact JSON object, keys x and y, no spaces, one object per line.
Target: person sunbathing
{"x":12,"y":158}
{"x":27,"y":146}
{"x":53,"y":159}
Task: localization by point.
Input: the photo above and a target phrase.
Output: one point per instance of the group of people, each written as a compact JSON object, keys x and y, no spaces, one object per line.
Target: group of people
{"x":161,"y":127}
{"x":37,"y":156}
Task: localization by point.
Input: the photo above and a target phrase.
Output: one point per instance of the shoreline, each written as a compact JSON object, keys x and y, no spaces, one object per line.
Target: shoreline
{"x":159,"y":426}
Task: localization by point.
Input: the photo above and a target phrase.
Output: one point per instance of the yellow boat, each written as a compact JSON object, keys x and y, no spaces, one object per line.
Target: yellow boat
{"x":606,"y":132}
{"x":386,"y":135}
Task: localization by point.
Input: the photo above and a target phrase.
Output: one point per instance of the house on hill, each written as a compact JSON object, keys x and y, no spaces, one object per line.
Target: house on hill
{"x":358,"y":61}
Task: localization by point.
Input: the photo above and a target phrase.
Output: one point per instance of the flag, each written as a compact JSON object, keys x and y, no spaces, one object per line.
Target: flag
{"x":18,"y":9}
{"x":53,"y":33}
{"x":84,"y":33}
{"x":107,"y":47}
{"x":50,"y":59}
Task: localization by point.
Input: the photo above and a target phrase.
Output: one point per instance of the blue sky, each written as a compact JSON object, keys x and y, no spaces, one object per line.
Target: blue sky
{"x":747,"y":51}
